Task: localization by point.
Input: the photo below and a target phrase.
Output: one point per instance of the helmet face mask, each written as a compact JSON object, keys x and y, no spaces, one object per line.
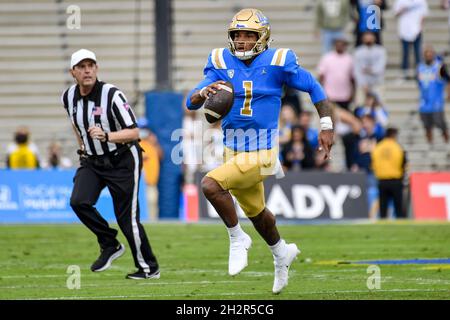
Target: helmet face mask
{"x":244,"y":43}
{"x":251,"y":20}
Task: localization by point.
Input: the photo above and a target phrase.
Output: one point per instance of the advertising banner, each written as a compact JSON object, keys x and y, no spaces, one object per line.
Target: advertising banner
{"x":430,"y":193}
{"x":43,"y":196}
{"x":309,"y":196}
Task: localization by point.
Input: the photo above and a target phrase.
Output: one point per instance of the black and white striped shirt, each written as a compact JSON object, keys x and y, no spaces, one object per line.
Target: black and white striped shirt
{"x":106,"y":107}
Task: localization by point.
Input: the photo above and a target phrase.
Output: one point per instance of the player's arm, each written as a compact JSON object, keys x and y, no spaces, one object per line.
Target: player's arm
{"x":301,"y":79}
{"x":210,"y":84}
{"x":197,"y":96}
{"x":326,"y":135}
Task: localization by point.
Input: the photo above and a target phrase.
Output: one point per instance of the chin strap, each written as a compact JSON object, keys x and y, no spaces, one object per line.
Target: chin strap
{"x":244,"y":55}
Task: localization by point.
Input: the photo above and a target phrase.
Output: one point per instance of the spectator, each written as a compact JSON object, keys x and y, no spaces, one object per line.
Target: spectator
{"x":432,"y":77}
{"x":445,"y":5}
{"x":389,"y":163}
{"x":297,"y":154}
{"x":410,"y":14}
{"x":369,"y":66}
{"x":55,"y":158}
{"x":369,"y":128}
{"x":332,"y":17}
{"x":288,"y":118}
{"x":192,"y":145}
{"x":363,"y":14}
{"x":348,"y":127}
{"x":312,"y":134}
{"x":151,"y":159}
{"x":367,"y":140}
{"x":292,"y":96}
{"x":336,"y":74}
{"x":22,"y":154}
{"x":212,"y":147}
{"x":374,"y":108}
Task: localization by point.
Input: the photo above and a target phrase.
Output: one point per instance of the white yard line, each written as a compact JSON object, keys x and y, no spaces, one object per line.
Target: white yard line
{"x":121,"y":284}
{"x":235,"y":294}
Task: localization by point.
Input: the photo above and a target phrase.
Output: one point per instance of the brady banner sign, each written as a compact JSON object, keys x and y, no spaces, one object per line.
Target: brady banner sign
{"x":309,"y":196}
{"x":430,"y":192}
{"x":43,"y":196}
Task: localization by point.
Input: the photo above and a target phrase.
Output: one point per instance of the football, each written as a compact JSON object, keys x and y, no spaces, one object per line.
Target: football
{"x":218,"y":105}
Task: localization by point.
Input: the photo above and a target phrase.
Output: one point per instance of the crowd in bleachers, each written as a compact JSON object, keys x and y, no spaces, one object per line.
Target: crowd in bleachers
{"x":23,"y":153}
{"x":353,"y":78}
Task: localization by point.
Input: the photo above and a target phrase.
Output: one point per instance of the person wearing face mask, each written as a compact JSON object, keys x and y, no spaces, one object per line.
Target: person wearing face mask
{"x":369,"y":67}
{"x":335,"y":70}
{"x":151,"y":158}
{"x":22,"y":154}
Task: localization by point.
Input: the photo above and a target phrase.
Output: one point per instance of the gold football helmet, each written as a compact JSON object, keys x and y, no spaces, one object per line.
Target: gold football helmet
{"x":250,"y":20}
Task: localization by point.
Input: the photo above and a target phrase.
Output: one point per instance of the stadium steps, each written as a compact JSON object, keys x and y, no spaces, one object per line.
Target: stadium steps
{"x":36,"y":47}
{"x":35,"y":53}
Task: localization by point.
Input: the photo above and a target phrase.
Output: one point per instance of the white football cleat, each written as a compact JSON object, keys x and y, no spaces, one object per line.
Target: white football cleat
{"x":238,"y":258}
{"x":282,"y":268}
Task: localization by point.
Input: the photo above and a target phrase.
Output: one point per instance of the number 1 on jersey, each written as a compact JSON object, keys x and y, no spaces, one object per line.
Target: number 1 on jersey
{"x":246,"y":110}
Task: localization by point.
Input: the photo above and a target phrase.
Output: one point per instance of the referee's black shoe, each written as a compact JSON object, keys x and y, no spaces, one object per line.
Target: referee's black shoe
{"x":107,"y":256}
{"x":142,"y":275}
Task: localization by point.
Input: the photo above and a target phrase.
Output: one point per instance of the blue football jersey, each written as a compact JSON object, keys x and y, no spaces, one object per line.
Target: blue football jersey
{"x":252,"y":123}
{"x":432,"y":87}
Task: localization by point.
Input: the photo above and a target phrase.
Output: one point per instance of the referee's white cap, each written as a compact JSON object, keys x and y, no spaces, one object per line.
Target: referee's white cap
{"x":80,"y":55}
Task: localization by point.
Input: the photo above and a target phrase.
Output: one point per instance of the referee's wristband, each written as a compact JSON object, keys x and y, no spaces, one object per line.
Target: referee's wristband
{"x":106,"y":137}
{"x":326,"y":123}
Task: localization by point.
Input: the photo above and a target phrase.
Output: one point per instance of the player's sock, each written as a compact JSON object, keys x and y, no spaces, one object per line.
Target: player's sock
{"x":279,"y":249}
{"x":236,"y":232}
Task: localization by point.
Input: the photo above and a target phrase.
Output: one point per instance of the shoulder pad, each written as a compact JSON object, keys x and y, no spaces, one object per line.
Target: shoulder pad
{"x":217,"y":58}
{"x":279,"y":57}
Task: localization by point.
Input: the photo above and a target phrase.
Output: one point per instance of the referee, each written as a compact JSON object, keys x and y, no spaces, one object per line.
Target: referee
{"x":106,"y":130}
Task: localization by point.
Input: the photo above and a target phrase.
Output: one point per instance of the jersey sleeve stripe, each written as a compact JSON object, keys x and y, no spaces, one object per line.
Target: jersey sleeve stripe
{"x":222,"y":60}
{"x":276,"y":57}
{"x":214,"y":58}
{"x":279,"y":57}
{"x":217,"y":58}
{"x":283,"y":57}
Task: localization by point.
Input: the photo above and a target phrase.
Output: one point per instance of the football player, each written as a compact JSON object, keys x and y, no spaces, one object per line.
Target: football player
{"x":258,"y":74}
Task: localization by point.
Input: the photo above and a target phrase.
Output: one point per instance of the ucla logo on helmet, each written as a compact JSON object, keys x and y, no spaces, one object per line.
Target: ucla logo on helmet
{"x":262,"y":19}
{"x":230,"y":73}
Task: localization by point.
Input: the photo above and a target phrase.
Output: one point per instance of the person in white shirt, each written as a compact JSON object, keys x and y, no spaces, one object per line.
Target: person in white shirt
{"x":445,"y":5}
{"x":410,"y":14}
{"x":369,"y":66}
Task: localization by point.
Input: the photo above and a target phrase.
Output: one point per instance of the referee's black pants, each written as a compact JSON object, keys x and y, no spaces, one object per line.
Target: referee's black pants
{"x":391,"y":189}
{"x":121,"y":175}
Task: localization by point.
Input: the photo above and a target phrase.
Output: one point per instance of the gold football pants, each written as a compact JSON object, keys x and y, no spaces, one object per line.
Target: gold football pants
{"x":242,"y":174}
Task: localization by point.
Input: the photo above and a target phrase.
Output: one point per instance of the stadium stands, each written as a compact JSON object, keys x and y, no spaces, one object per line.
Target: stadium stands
{"x":35,"y":53}
{"x":36,"y":46}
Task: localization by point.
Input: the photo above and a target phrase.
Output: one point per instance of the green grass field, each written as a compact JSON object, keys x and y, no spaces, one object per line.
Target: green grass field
{"x":193,"y":260}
